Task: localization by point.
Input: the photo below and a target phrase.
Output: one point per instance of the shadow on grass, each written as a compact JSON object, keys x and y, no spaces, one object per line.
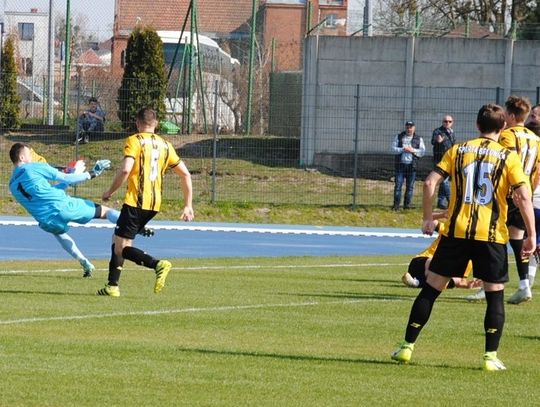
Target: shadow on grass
{"x":312,"y":358}
{"x":372,"y":296}
{"x":46,"y":293}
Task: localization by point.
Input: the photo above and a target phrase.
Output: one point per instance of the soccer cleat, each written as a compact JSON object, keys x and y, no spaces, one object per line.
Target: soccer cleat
{"x":88,"y":268}
{"x":492,"y":363}
{"x":403,"y":352}
{"x":478,"y":296}
{"x":109,"y":290}
{"x":162,"y":271}
{"x":147,"y":232}
{"x":521,"y":295}
{"x":410,"y":281}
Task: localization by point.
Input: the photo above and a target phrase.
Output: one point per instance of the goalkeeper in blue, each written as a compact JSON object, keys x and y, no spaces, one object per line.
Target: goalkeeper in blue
{"x":31,"y":185}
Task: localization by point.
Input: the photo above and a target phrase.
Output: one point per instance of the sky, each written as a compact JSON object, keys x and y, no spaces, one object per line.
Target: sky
{"x":95,"y":16}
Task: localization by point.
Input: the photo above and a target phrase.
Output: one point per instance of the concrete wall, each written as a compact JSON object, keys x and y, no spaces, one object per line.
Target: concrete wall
{"x":359,"y":91}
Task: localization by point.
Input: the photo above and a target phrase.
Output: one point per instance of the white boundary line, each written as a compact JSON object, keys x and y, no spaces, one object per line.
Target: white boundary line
{"x":182,"y":311}
{"x":203,"y":268}
{"x":240,"y":229}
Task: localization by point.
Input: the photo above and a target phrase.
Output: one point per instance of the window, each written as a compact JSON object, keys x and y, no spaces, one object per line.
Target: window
{"x":331,"y":21}
{"x":27,"y":66}
{"x":26,"y":31}
{"x":331,"y":2}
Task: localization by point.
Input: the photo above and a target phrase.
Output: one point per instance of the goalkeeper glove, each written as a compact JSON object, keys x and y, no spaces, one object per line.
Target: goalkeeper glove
{"x":99,"y":167}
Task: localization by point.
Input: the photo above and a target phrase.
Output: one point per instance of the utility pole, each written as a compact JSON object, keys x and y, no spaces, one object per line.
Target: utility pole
{"x":251,"y":65}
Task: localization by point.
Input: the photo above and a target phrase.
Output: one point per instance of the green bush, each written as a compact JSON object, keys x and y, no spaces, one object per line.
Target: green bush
{"x":10,"y":101}
{"x":144,"y":81}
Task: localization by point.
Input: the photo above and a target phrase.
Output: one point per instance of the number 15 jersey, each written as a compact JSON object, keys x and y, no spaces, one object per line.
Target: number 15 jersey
{"x":482,"y":172}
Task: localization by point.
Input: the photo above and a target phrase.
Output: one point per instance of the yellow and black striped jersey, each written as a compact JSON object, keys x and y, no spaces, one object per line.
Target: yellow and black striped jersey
{"x":526,"y":144}
{"x":36,"y":158}
{"x":433,"y":246}
{"x":152,"y":156}
{"x":482,"y":172}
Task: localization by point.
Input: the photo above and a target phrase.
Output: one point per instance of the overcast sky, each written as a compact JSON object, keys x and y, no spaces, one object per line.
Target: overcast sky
{"x":94,"y":15}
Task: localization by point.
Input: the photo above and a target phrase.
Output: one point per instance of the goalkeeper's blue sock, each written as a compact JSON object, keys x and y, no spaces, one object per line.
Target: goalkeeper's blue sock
{"x":112,"y":215}
{"x":70,"y":246}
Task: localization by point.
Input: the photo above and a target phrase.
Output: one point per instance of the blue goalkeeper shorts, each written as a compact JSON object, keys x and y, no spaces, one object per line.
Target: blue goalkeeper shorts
{"x":75,"y":210}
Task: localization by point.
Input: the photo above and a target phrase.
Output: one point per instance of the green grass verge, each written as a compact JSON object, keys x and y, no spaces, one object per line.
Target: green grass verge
{"x":301,"y":331}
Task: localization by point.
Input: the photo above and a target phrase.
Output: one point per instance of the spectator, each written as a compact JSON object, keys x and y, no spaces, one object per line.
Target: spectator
{"x":407,"y":147}
{"x":442,"y":139}
{"x":91,"y":120}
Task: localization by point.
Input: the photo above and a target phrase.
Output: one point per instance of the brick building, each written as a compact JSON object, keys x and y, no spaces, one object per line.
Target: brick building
{"x":285,"y":21}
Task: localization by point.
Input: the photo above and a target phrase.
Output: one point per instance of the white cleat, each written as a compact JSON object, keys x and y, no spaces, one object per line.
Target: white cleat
{"x":521,"y":295}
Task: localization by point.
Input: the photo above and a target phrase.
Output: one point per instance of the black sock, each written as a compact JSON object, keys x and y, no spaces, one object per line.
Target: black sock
{"x":494,"y":319}
{"x":139,"y":257}
{"x":115,"y":267}
{"x":521,"y":263}
{"x":420,"y":312}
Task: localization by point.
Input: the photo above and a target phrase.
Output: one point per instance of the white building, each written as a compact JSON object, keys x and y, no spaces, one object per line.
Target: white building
{"x":32,"y":39}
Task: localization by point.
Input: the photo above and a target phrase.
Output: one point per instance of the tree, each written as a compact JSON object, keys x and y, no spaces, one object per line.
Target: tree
{"x":144,"y":82}
{"x":10,"y":101}
{"x":499,"y":16}
{"x":530,"y":29}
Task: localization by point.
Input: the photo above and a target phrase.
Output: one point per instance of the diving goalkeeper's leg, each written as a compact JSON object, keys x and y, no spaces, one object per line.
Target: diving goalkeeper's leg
{"x":69,"y":245}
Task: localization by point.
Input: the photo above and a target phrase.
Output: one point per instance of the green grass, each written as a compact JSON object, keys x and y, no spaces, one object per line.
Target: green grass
{"x":250,"y":332}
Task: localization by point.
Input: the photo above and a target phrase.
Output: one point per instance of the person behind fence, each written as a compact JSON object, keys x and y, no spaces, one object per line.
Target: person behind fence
{"x":407,"y":148}
{"x":91,"y":120}
{"x":442,"y":139}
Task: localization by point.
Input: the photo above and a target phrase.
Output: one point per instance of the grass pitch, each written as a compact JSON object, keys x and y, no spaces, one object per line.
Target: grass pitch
{"x":250,"y":332}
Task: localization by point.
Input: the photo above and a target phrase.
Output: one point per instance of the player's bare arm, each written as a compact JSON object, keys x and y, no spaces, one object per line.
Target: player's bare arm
{"x":120,"y":177}
{"x":187,"y":191}
{"x":522,"y":199}
{"x":430,"y":184}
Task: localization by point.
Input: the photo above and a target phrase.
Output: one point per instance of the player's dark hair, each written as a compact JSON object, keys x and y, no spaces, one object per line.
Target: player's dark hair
{"x":490,"y":118}
{"x":15,"y":151}
{"x":92,"y":99}
{"x":518,"y":106}
{"x":146,"y":116}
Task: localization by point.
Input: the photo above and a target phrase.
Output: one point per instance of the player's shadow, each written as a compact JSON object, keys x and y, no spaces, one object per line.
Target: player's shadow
{"x":43,"y":292}
{"x":307,"y":358}
{"x":372,"y":296}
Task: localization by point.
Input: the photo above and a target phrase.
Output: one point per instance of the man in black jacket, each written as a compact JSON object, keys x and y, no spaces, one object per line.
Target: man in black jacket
{"x":442,"y":139}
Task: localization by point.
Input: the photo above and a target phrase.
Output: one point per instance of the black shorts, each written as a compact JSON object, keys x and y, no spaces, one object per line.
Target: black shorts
{"x":514,"y":216}
{"x":490,"y":260}
{"x":131,"y":221}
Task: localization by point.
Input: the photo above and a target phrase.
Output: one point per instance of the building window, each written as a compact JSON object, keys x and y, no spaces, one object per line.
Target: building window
{"x":27,"y":66}
{"x":123,"y":58}
{"x":331,"y":21}
{"x":26,"y":31}
{"x":331,"y":2}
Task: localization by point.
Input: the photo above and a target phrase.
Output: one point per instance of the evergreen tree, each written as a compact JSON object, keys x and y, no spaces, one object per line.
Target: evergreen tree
{"x":10,"y":101}
{"x":144,"y":81}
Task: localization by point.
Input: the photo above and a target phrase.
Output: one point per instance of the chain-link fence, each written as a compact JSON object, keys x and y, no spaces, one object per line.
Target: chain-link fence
{"x":350,"y":158}
{"x":235,"y":112}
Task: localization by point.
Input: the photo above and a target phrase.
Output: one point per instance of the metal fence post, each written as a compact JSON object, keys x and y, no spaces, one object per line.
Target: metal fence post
{"x":537,"y":94}
{"x":214,"y":144}
{"x":355,"y":167}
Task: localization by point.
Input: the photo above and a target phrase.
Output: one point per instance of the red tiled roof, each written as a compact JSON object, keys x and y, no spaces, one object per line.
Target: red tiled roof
{"x":219,"y":16}
{"x":89,"y":58}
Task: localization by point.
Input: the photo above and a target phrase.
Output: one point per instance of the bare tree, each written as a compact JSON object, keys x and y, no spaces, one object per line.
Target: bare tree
{"x":499,"y":15}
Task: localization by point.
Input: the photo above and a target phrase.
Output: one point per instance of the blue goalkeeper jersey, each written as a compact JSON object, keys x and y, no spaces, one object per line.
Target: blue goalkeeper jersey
{"x":30,"y":185}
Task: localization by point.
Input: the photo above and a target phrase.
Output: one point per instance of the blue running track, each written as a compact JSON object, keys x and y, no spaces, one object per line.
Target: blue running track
{"x":20,"y":239}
